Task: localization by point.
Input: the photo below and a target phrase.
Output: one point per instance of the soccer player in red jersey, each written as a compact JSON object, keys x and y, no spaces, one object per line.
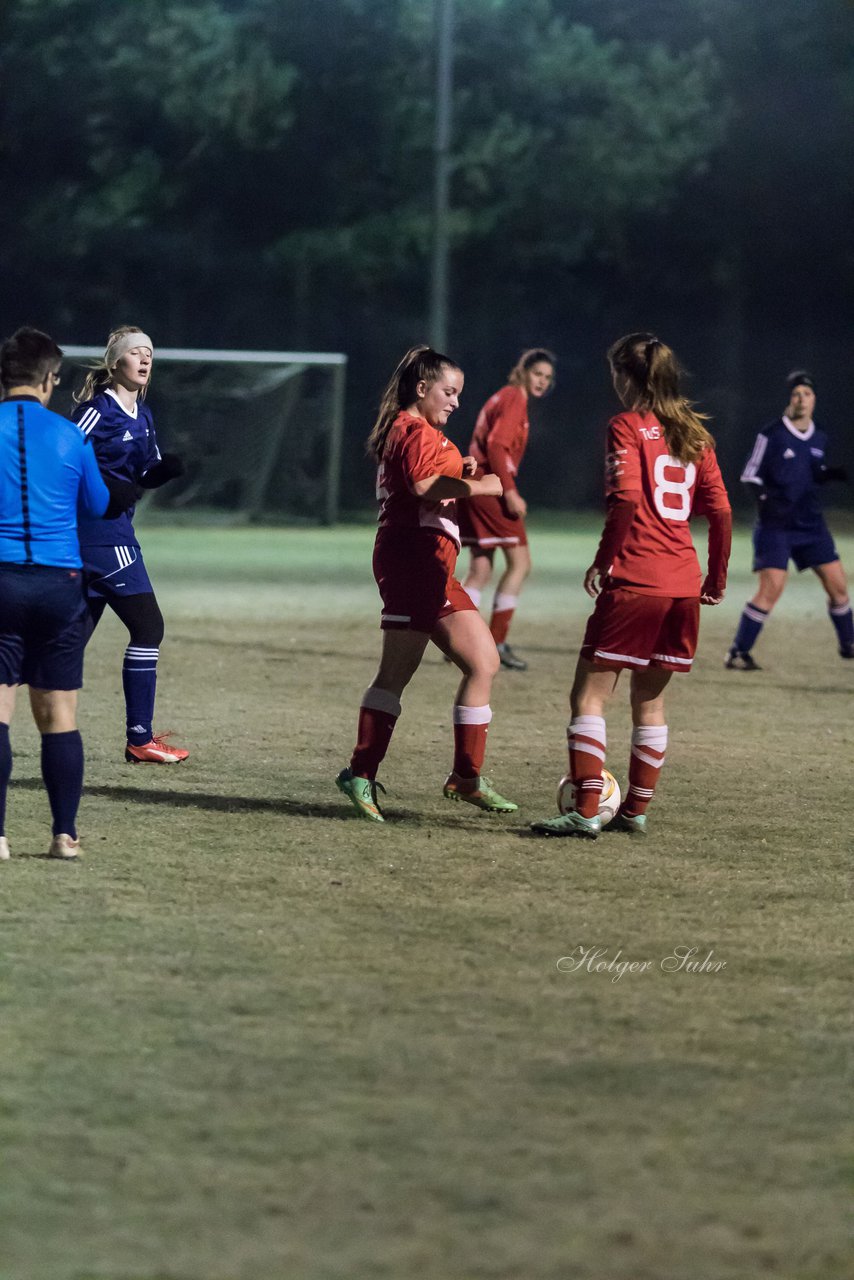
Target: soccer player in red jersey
{"x":660,"y":469}
{"x":420,"y":476}
{"x":498,"y":445}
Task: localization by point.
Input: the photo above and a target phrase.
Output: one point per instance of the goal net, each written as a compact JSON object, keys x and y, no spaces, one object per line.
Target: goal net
{"x":259,"y":431}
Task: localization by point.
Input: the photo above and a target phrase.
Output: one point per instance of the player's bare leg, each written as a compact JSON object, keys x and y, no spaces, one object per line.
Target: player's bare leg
{"x":770,"y":588}
{"x":7,"y":710}
{"x":592,"y":689}
{"x":465,"y":638}
{"x":647,"y":696}
{"x":400,"y":658}
{"x":467,"y":641}
{"x":832,"y":578}
{"x":480,"y":571}
{"x":477,"y":579}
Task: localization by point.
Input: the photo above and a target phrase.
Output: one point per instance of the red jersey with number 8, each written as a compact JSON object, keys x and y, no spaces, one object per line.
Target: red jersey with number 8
{"x":657,"y":556}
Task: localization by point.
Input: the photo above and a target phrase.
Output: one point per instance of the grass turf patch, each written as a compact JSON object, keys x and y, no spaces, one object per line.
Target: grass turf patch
{"x":250,"y":1037}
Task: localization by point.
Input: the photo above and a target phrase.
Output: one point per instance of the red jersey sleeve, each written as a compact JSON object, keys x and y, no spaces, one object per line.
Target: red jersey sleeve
{"x":622,"y":460}
{"x":502,"y":443}
{"x":710,"y":493}
{"x":711,"y":500}
{"x":622,"y":490}
{"x":427,"y":452}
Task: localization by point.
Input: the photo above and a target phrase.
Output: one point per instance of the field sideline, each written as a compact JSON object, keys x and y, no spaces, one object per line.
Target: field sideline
{"x":250,"y":1038}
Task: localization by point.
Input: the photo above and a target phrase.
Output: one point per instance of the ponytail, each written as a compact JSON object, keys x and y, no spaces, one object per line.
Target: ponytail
{"x":652,"y":373}
{"x":420,"y":364}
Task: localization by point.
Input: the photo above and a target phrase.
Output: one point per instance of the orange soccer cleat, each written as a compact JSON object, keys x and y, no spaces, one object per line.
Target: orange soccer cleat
{"x":157,"y":751}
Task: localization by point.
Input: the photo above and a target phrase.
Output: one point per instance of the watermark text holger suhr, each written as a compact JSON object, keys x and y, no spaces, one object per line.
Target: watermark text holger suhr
{"x":694,"y":960}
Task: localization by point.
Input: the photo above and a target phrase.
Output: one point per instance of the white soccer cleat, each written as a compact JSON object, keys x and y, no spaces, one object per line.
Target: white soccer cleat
{"x":4,"y":849}
{"x":65,"y":847}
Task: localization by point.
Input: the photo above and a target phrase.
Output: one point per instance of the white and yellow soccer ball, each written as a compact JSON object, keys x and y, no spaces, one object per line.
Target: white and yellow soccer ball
{"x":609,"y":801}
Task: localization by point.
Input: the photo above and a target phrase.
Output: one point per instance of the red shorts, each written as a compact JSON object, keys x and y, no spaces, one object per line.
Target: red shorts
{"x":486,"y":523}
{"x":627,"y":629}
{"x":414,"y":569}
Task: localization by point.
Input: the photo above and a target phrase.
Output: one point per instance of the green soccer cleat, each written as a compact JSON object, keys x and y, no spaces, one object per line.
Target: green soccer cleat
{"x":569,"y":824}
{"x":479,"y":792}
{"x":363,"y":795}
{"x":633,"y":824}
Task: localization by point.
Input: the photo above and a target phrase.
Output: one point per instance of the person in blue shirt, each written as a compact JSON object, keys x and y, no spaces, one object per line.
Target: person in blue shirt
{"x":787,"y":469}
{"x":114,"y":418}
{"x":47,"y":471}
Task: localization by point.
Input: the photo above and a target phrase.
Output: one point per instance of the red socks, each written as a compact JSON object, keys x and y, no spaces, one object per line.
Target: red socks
{"x":377,"y":717}
{"x":585,"y":737}
{"x":503,"y":608}
{"x":649,"y":744}
{"x":470,"y":728}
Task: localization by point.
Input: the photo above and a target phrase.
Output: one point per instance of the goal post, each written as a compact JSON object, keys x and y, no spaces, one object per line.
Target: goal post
{"x":260,"y":431}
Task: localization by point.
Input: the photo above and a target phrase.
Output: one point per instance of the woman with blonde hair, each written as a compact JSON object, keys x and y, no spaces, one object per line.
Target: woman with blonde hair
{"x":419,"y":478}
{"x":489,"y":523}
{"x":660,"y":470}
{"x":112,"y":414}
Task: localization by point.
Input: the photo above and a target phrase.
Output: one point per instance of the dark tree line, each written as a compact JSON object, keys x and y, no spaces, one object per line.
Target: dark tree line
{"x":258,"y":174}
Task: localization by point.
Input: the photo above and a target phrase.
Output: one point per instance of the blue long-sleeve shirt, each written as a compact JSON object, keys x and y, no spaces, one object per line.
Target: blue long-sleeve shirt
{"x":47,"y":471}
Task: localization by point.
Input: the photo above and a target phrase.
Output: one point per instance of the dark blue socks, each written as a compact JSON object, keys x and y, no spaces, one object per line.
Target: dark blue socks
{"x":750,"y":624}
{"x":139,"y":680}
{"x":62,"y":770}
{"x":843,"y":621}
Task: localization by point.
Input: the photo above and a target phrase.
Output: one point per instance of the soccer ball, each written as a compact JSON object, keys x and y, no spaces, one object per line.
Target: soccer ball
{"x":609,"y":802}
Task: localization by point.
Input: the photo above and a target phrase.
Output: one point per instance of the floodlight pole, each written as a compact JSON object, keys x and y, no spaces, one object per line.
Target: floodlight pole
{"x":444,"y":10}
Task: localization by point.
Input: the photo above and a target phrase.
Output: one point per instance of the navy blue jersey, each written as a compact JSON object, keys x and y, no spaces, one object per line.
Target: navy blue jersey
{"x":786,"y":466}
{"x":126,"y":447}
{"x":48,"y":474}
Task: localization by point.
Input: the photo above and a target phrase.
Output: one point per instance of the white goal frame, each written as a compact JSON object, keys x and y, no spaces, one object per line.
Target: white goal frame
{"x":296,"y":362}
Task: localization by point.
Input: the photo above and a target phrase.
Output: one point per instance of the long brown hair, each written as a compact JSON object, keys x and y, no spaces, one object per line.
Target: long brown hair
{"x":516,"y":376}
{"x":420,"y":364}
{"x":101,"y":375}
{"x":652,"y":372}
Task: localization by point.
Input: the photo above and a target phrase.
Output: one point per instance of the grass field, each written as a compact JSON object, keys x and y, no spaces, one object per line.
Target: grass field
{"x":249,"y":1038}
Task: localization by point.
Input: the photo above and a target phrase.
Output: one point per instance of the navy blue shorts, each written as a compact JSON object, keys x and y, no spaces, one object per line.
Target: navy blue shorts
{"x":115,"y":571}
{"x":774,"y":548}
{"x":44,"y":625}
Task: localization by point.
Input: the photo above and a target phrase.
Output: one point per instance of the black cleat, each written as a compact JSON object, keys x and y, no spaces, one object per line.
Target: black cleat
{"x":846,"y":651}
{"x":736,"y":660}
{"x":510,"y":660}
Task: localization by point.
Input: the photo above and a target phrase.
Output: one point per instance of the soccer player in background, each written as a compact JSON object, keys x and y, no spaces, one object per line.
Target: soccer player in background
{"x":46,"y":471}
{"x":112,"y":415}
{"x":787,"y":469}
{"x":660,"y":469}
{"x":498,"y":445}
{"x":420,"y":476}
